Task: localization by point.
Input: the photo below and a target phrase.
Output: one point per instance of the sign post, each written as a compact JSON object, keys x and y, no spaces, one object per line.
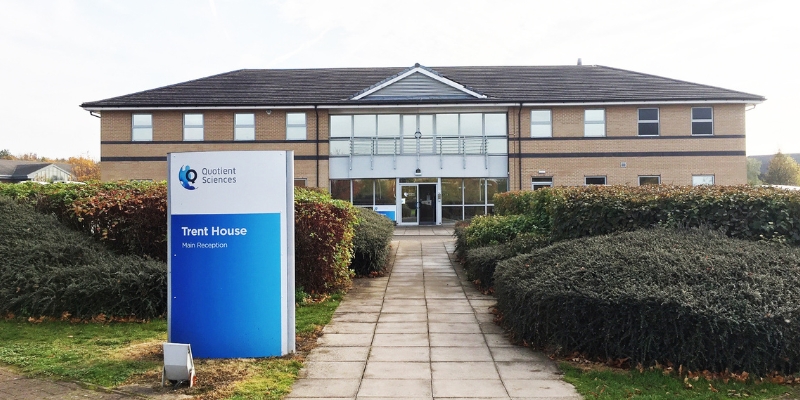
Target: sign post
{"x":231,"y":253}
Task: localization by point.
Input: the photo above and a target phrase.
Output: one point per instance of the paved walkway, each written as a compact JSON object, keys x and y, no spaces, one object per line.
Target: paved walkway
{"x":424,"y":332}
{"x":13,"y":386}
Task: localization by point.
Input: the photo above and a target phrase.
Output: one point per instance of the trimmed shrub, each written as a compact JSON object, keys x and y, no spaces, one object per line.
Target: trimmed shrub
{"x":372,"y":242}
{"x":459,"y":232}
{"x":740,"y":211}
{"x":480,"y":263}
{"x":47,"y":269}
{"x":688,"y":297}
{"x":495,"y":229}
{"x":324,"y":230}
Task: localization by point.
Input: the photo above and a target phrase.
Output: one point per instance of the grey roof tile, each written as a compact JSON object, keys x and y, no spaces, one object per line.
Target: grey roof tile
{"x":542,"y":84}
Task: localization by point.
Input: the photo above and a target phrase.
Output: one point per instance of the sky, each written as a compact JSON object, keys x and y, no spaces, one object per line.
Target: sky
{"x":58,"y":54}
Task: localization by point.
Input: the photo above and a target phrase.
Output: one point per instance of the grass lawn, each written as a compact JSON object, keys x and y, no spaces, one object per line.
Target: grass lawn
{"x":612,"y":384}
{"x":114,"y":354}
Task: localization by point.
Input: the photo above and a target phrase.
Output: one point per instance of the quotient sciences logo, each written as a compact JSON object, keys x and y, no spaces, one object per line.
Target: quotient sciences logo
{"x":189,"y":177}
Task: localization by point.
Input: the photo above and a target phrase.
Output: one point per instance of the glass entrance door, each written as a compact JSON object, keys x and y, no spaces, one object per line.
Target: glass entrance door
{"x":409,"y":203}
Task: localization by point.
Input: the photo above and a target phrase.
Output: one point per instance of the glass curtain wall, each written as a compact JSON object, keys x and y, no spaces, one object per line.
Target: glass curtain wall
{"x":395,"y":134}
{"x":365,"y":192}
{"x":464,"y":198}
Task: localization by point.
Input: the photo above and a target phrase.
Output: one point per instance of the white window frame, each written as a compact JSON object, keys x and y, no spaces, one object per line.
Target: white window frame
{"x":304,"y":126}
{"x":237,"y":128}
{"x":548,"y":123}
{"x":594,"y":122}
{"x":713,"y":179}
{"x":542,"y":183}
{"x":201,"y":126}
{"x":649,"y":176}
{"x":304,"y":180}
{"x":585,"y":178}
{"x":703,"y":120}
{"x":134,"y":127}
{"x":657,"y":121}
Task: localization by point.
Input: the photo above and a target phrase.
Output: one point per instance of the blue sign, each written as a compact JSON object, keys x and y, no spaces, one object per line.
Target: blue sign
{"x":231,"y":248}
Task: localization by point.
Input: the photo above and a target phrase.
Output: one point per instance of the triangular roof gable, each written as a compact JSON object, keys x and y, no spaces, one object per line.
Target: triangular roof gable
{"x":417,"y":82}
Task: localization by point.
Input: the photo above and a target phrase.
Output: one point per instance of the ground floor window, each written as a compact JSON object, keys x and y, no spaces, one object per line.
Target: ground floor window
{"x":541,"y":182}
{"x":594,"y":180}
{"x":649,"y":180}
{"x":698,"y":180}
{"x":422,"y":200}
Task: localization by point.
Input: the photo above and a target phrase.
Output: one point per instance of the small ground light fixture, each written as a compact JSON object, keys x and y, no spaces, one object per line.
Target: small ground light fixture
{"x":178,"y":365}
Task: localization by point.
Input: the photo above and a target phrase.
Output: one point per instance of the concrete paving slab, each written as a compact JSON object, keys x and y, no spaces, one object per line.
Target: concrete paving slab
{"x":355,"y":317}
{"x":402,"y":327}
{"x":527,"y":370}
{"x":411,"y":354}
{"x":395,"y":388}
{"x":476,"y":353}
{"x":399,"y":309}
{"x":345,"y":339}
{"x":464,"y":370}
{"x":312,"y":387}
{"x":468,"y":388}
{"x":324,"y":353}
{"x":452,"y":318}
{"x":349,"y":327}
{"x":457,"y":339}
{"x":498,"y":340}
{"x":397,"y":370}
{"x":422,"y":317}
{"x":516,"y":354}
{"x":400,"y":340}
{"x":332,"y":370}
{"x":449,"y":327}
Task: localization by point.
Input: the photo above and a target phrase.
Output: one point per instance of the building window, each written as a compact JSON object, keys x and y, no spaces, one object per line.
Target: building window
{"x":649,"y":180}
{"x":648,"y":122}
{"x":300,"y":182}
{"x":295,"y":126}
{"x":698,"y":180}
{"x":192,"y":127}
{"x":541,"y":183}
{"x":244,"y":127}
{"x":702,"y":121}
{"x":594,"y":123}
{"x":541,"y":123}
{"x":142,"y":128}
{"x":594,"y":180}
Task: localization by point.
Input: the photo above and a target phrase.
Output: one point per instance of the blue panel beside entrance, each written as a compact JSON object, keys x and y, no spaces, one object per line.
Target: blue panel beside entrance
{"x":226,"y":289}
{"x":388,"y":214}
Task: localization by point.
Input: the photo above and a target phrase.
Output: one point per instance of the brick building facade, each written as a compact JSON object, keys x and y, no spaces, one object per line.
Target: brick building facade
{"x":431,"y":145}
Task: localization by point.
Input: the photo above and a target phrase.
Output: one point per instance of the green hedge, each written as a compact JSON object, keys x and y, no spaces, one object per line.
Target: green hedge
{"x":47,"y":269}
{"x":480,"y":263}
{"x":324,"y":230}
{"x":487,"y":230}
{"x":372,"y":242}
{"x":740,"y":211}
{"x":688,"y":297}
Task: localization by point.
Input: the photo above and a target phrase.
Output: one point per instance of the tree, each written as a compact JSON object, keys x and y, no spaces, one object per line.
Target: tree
{"x":753,"y":171}
{"x":783,"y":170}
{"x":5,"y":154}
{"x":84,"y":169}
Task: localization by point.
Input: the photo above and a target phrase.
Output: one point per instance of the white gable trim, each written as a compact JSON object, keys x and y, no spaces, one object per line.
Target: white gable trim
{"x":425,"y":72}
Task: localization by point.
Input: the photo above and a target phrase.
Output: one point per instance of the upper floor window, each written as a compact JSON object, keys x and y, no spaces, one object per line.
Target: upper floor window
{"x":192,"y":127}
{"x":702,"y":121}
{"x":648,"y":122}
{"x":541,"y":123}
{"x":594,"y":123}
{"x":295,"y":126}
{"x":142,"y":128}
{"x":698,"y":180}
{"x":244,"y":127}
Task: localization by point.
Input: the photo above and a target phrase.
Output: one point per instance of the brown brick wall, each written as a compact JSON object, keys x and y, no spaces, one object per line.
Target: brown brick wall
{"x":621,"y":121}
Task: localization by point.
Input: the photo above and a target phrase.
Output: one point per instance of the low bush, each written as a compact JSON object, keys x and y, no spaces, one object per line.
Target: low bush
{"x":47,"y":269}
{"x":372,"y":242}
{"x":495,"y":229}
{"x":459,"y":233}
{"x":324,"y":230}
{"x":694,"y":298}
{"x":740,"y":211}
{"x":480,"y":263}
